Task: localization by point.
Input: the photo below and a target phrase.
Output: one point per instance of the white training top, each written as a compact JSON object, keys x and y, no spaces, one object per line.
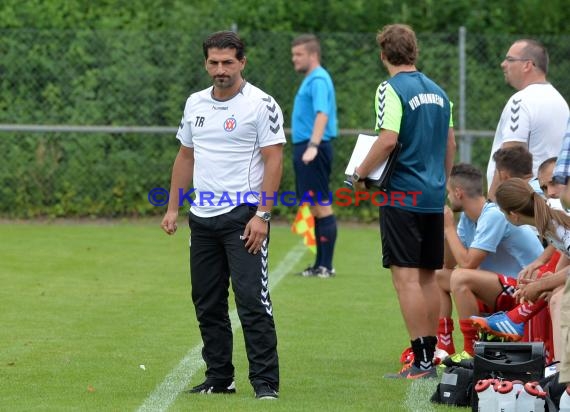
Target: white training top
{"x":536,"y":115}
{"x":226,"y":137}
{"x":561,"y":241}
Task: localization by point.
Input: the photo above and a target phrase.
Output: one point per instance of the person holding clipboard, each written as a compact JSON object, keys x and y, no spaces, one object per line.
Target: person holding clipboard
{"x":413,"y":111}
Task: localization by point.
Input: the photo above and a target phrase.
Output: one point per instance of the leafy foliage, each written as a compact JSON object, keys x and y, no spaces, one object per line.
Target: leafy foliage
{"x":134,"y":63}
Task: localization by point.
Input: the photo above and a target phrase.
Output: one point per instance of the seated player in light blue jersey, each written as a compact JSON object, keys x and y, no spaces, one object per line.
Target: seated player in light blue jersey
{"x":517,"y":162}
{"x":538,"y":293}
{"x":484,"y":255}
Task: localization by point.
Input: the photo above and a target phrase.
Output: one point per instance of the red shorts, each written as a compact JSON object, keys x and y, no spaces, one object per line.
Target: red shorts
{"x":539,"y":327}
{"x":505,"y":300}
{"x":550,"y":266}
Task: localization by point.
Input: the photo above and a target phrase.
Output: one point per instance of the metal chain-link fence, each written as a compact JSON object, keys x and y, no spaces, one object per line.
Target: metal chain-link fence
{"x":142,"y":79}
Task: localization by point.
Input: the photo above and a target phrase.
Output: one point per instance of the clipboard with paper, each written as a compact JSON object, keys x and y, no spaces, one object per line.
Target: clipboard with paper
{"x":380,"y":176}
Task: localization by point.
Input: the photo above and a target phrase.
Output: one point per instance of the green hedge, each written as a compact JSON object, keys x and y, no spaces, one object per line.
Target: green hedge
{"x":82,"y":175}
{"x":101,"y":175}
{"x":142,"y":78}
{"x":65,"y":175}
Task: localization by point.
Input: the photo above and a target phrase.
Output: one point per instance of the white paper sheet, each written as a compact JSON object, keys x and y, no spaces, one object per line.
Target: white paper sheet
{"x":363,"y":145}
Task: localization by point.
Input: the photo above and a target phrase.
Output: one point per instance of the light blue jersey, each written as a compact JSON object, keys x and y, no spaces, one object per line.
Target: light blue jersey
{"x":535,"y":184}
{"x":509,"y":247}
{"x":316,"y":94}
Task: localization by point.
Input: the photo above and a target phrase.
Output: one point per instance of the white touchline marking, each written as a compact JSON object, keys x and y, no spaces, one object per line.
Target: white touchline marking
{"x":166,"y":393}
{"x":418,"y":395}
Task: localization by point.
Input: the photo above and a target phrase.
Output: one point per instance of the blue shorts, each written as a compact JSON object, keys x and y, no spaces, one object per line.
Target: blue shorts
{"x":409,"y":239}
{"x":313,"y":178}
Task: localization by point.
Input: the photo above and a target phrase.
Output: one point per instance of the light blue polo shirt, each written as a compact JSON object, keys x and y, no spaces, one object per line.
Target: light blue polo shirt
{"x":316,"y":94}
{"x":509,"y":247}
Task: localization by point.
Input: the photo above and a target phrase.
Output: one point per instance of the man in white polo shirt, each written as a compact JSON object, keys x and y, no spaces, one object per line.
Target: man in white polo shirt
{"x":535,"y":116}
{"x":232,"y":138}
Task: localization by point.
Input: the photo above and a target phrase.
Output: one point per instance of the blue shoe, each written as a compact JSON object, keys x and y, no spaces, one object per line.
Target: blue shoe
{"x":499,"y":324}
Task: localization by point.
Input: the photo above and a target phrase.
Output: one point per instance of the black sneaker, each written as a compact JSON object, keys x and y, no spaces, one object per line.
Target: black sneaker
{"x":309,"y":271}
{"x":410,"y":371}
{"x":265,"y":391}
{"x":207,"y":388}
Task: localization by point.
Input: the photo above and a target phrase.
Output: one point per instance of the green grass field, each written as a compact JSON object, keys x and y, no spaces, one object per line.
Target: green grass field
{"x":83,"y":306}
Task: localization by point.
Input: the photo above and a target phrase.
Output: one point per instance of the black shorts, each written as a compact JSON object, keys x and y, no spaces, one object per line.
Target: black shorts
{"x":313,"y":179}
{"x":411,"y":239}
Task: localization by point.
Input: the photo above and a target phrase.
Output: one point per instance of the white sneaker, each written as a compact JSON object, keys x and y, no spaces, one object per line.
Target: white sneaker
{"x":309,"y":271}
{"x":439,"y":356}
{"x":324,"y":272}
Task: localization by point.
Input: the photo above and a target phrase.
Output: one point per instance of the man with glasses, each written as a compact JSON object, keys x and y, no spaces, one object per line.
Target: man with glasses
{"x":535,"y":116}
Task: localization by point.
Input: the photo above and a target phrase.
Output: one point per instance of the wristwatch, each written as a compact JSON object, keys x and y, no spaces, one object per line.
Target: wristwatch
{"x":356,"y":177}
{"x":265,"y":216}
{"x":313,"y":144}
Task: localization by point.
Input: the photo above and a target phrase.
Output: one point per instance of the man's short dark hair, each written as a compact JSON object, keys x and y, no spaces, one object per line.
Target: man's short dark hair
{"x":535,"y":51}
{"x":310,"y":41}
{"x":467,"y":177}
{"x":546,"y":163}
{"x":224,"y":40}
{"x":516,"y":160}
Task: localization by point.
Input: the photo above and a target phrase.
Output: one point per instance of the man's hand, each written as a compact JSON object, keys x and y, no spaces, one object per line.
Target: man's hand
{"x":255,"y":234}
{"x":359,"y":186}
{"x":529,"y":272}
{"x":169,"y":222}
{"x":448,"y":219}
{"x":530,"y":291}
{"x":310,"y":154}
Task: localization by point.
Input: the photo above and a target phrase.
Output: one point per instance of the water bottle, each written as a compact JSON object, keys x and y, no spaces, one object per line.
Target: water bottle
{"x":565,"y":401}
{"x":540,"y":401}
{"x":527,"y":398}
{"x":506,"y":397}
{"x":486,"y":394}
{"x":518,"y":387}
